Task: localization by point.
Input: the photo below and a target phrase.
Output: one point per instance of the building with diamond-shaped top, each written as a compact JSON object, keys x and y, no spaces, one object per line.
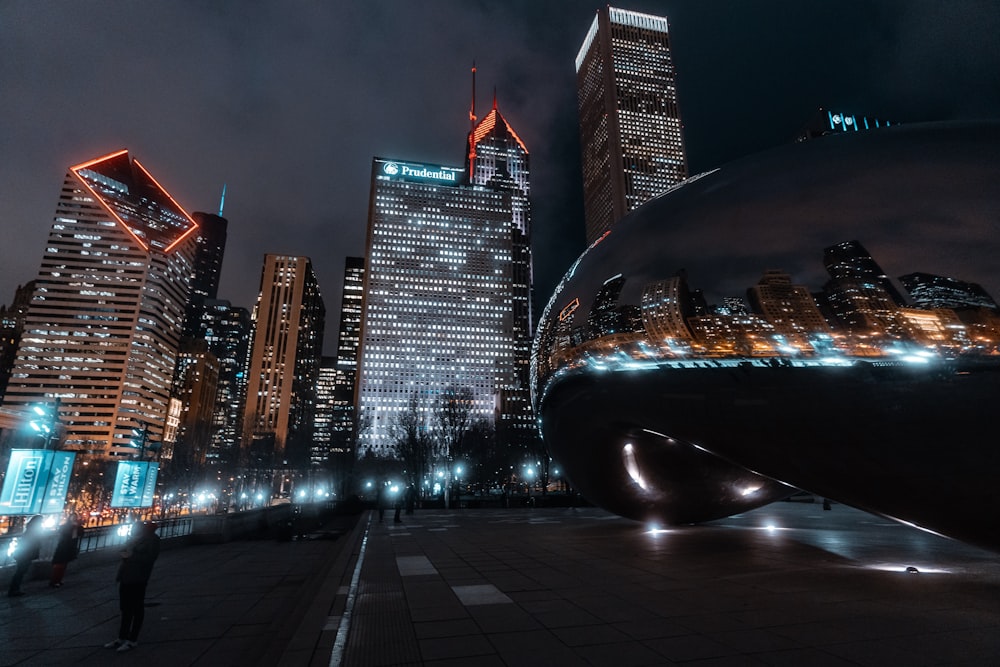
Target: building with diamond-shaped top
{"x":104,"y":323}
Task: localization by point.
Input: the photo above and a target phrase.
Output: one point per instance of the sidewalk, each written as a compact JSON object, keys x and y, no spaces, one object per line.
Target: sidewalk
{"x":235,"y":603}
{"x":788,"y":584}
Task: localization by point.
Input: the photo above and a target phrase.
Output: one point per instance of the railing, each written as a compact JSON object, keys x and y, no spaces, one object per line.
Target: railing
{"x":198,"y":527}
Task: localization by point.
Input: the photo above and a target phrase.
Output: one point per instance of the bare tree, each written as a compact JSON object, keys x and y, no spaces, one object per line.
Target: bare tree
{"x":410,"y":439}
{"x":484,"y":450}
{"x":454,"y":415}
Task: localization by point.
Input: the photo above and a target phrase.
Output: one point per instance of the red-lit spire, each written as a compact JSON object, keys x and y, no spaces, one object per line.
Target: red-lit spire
{"x":472,"y":121}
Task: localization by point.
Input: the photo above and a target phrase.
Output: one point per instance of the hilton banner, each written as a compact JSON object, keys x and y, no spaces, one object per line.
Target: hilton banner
{"x":37,"y":481}
{"x":135,"y":484}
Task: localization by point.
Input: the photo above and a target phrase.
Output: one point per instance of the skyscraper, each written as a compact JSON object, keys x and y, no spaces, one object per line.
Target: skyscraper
{"x":860,"y":294}
{"x":343,"y":425}
{"x":11,"y":326}
{"x":105,"y":319}
{"x":438,"y":296}
{"x":210,"y":247}
{"x":324,"y":414}
{"x":193,"y":398}
{"x":630,"y":124}
{"x":284,"y":363}
{"x":932,"y":291}
{"x":498,"y":159}
{"x":227,"y":329}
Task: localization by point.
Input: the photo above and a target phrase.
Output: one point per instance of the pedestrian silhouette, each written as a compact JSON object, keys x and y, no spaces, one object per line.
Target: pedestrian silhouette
{"x":26,"y":550}
{"x":67,"y":548}
{"x":136,"y":567}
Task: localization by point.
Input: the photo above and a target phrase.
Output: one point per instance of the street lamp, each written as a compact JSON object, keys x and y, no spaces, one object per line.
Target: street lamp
{"x":46,"y":424}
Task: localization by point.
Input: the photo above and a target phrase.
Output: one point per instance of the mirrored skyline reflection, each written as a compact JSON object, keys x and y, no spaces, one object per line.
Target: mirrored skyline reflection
{"x":822,"y":315}
{"x":918,"y":199}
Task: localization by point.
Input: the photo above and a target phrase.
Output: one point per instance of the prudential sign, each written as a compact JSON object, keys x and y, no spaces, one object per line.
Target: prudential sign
{"x":420,"y":172}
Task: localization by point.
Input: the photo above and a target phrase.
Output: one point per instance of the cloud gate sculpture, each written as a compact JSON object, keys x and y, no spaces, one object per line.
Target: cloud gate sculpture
{"x":816,"y":317}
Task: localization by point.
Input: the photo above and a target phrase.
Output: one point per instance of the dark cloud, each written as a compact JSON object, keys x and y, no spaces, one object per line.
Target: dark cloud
{"x":287,"y":103}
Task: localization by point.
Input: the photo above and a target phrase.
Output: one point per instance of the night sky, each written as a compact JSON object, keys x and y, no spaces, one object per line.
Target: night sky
{"x":288,"y":102}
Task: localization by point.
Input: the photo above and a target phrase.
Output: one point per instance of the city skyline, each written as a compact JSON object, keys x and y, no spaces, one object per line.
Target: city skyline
{"x":277,"y":106}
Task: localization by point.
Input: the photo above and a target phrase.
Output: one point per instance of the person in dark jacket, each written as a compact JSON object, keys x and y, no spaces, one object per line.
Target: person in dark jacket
{"x":133,"y":574}
{"x":29,"y":543}
{"x":67,"y":548}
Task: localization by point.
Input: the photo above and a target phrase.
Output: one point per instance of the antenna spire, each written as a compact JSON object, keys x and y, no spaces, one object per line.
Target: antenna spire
{"x":472,"y":106}
{"x":222,"y":201}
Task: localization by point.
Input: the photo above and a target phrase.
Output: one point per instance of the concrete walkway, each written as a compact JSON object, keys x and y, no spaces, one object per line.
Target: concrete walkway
{"x":789,"y":584}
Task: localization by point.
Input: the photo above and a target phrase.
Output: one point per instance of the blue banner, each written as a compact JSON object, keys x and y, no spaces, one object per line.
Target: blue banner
{"x":24,"y":485}
{"x":135,"y":483}
{"x":60,"y":475}
{"x":37,"y":481}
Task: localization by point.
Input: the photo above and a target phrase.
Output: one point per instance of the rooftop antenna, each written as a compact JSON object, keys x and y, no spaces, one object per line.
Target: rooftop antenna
{"x":472,"y":124}
{"x":222,"y":202}
{"x":472,"y":106}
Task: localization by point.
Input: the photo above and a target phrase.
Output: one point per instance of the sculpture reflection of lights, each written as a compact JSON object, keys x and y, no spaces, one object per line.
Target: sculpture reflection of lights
{"x":870,"y":402}
{"x":896,"y":567}
{"x":632,"y":467}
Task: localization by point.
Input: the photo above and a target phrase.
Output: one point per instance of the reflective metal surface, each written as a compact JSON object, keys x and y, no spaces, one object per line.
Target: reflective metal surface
{"x":821,"y":315}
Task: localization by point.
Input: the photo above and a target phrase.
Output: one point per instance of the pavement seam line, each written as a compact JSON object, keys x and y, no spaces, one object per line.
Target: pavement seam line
{"x":337,"y":655}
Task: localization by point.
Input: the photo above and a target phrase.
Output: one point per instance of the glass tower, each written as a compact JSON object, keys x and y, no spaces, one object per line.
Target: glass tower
{"x":498,"y":159}
{"x":104,"y":324}
{"x":438,"y":311}
{"x":343,"y":423}
{"x":630,"y":125}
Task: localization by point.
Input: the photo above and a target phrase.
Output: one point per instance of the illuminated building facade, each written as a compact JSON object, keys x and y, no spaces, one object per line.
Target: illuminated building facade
{"x":438,"y":296}
{"x":665,"y":307}
{"x":343,"y":423}
{"x":196,"y":382}
{"x":860,"y":294}
{"x":930,"y":291}
{"x":498,"y":159}
{"x":630,"y":124}
{"x":105,"y":320}
{"x":323,"y":417}
{"x":227,"y":330}
{"x":790,"y":308}
{"x":284,"y":363}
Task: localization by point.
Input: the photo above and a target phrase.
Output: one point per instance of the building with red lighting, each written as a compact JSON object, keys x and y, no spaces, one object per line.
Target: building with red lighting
{"x":104,"y":323}
{"x":447,"y":299}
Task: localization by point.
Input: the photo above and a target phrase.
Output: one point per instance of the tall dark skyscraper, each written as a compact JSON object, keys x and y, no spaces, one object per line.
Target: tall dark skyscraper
{"x":11,"y":326}
{"x":105,"y":320}
{"x":630,"y":123}
{"x":284,"y":364}
{"x":210,"y":247}
{"x":324,"y":415}
{"x":343,"y":426}
{"x":227,"y":330}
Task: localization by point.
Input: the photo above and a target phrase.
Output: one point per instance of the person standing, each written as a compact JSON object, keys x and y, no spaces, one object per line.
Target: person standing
{"x":67,"y":548}
{"x":133,"y":574}
{"x":29,"y":544}
{"x":380,"y":501}
{"x":411,"y":498}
